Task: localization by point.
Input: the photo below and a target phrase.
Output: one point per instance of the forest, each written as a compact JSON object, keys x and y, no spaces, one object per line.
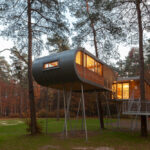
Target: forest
{"x":51,"y":26}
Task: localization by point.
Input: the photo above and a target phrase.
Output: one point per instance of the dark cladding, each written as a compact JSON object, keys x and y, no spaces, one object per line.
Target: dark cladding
{"x":68,"y":69}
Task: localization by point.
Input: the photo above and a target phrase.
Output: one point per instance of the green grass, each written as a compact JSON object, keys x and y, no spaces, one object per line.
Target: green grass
{"x":14,"y":137}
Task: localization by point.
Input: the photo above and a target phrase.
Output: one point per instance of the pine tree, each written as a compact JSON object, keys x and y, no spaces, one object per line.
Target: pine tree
{"x":96,"y":25}
{"x":26,"y":23}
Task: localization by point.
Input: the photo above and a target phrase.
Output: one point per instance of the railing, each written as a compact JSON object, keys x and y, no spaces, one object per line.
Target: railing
{"x":136,"y":107}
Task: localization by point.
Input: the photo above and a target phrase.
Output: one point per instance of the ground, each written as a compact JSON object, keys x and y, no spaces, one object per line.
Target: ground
{"x":13,"y":136}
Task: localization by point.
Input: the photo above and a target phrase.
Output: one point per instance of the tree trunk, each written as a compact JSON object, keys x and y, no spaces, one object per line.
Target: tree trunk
{"x":101,"y":110}
{"x":141,"y":62}
{"x":97,"y":55}
{"x":33,"y":125}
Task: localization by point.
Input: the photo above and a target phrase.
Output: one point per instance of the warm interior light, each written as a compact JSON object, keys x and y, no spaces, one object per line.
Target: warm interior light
{"x":131,"y":80}
{"x":125,"y":90}
{"x":122,"y":90}
{"x":89,"y":63}
{"x":119,"y":91}
{"x":79,"y":58}
{"x":50,"y":64}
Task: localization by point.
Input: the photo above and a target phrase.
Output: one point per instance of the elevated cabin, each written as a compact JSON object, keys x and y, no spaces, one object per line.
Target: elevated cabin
{"x":129,"y":88}
{"x":68,"y":69}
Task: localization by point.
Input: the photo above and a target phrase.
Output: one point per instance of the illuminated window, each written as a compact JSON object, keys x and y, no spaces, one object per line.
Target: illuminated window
{"x":85,"y":58}
{"x":90,"y":63}
{"x":99,"y":69}
{"x":125,"y":90}
{"x":79,"y":58}
{"x":51,"y":65}
{"x":119,"y":91}
{"x":95,"y":67}
{"x":114,"y":90}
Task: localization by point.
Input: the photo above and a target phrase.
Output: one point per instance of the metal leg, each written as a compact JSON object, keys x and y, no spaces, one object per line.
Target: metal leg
{"x":82,"y":124}
{"x":58,"y":105}
{"x":83,"y":106}
{"x":65,"y":112}
{"x":68,"y":104}
{"x":78,"y":109}
{"x":98,"y":112}
{"x":46,"y":129}
{"x":68,"y":107}
{"x":78,"y":112}
{"x":118,"y":116}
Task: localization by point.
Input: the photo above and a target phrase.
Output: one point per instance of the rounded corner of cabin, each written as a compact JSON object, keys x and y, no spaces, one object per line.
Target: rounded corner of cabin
{"x":77,"y":63}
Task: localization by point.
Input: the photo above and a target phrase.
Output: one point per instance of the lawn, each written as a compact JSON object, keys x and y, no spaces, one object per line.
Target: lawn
{"x":13,"y":136}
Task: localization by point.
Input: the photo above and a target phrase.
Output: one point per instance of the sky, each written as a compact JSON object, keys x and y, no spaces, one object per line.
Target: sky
{"x":6,"y":44}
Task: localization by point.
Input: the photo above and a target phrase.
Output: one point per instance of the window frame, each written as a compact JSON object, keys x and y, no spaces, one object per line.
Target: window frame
{"x":96,"y":64}
{"x":121,"y":89}
{"x":50,"y":68}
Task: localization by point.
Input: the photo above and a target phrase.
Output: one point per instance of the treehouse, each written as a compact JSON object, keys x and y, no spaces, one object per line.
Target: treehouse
{"x":70,"y":69}
{"x":129,"y":88}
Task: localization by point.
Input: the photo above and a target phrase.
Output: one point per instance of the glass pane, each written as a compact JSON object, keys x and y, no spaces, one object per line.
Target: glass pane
{"x":90,"y":63}
{"x":99,"y":69}
{"x":114,"y":87}
{"x":119,"y":91}
{"x":114,"y":90}
{"x":125,"y":90}
{"x":79,"y":58}
{"x":51,"y":64}
{"x":95,"y":67}
{"x":85,"y":62}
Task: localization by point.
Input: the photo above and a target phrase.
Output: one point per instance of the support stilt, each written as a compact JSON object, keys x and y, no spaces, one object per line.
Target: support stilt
{"x":98,"y":112}
{"x":58,"y":105}
{"x":78,"y":112}
{"x":78,"y":108}
{"x":118,"y":115}
{"x":65,"y":112}
{"x":68,"y":107}
{"x":46,"y":129}
{"x":83,"y":106}
{"x":108,"y":109}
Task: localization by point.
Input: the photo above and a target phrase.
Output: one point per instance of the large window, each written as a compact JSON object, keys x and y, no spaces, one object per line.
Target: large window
{"x":121,"y":90}
{"x":50,"y":65}
{"x":114,"y":90}
{"x":99,"y":69}
{"x":88,"y":62}
{"x":79,"y":58}
{"x":125,"y":90}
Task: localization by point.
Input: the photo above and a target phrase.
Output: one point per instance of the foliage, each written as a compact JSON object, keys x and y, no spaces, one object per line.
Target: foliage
{"x":19,"y":66}
{"x":5,"y":72}
{"x":108,"y":30}
{"x":130,"y":66}
{"x":58,"y":43}
{"x":47,"y":19}
{"x":147,"y":53}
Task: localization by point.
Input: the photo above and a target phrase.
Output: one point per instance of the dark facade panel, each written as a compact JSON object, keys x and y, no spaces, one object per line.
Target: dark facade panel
{"x":65,"y":73}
